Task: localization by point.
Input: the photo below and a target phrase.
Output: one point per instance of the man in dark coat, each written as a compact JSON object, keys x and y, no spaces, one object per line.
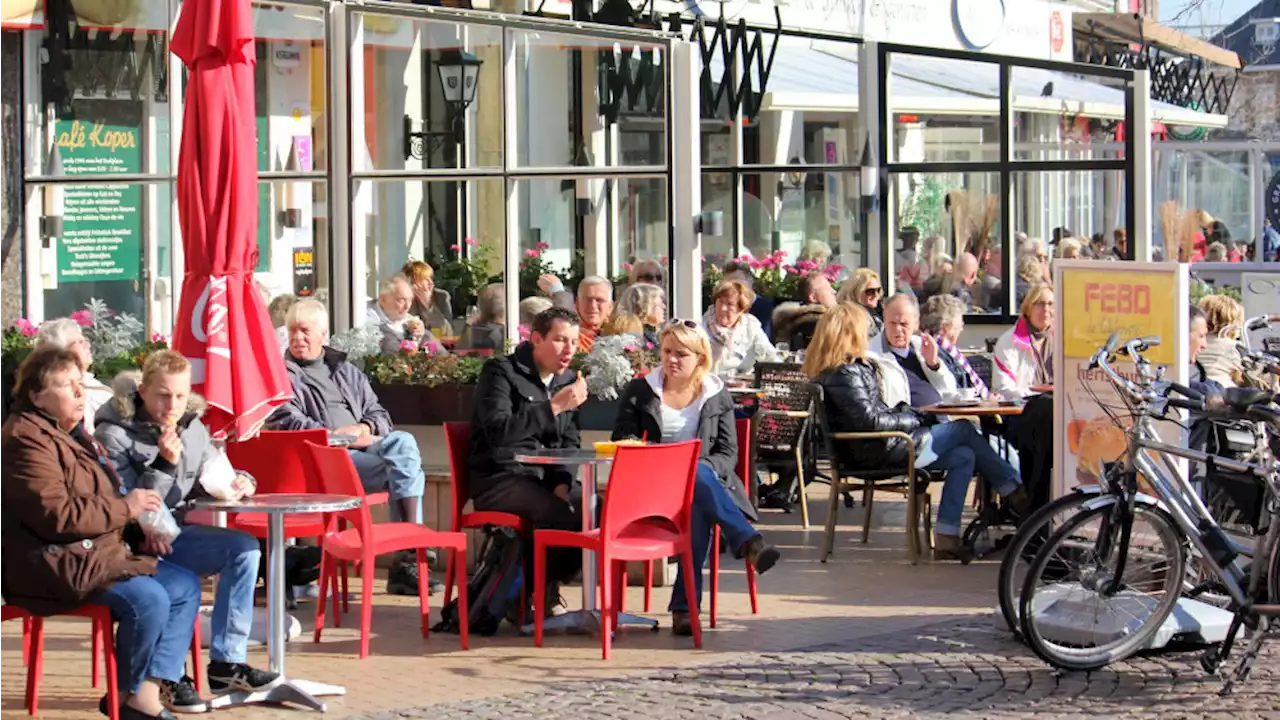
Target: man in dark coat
{"x":524,"y":402}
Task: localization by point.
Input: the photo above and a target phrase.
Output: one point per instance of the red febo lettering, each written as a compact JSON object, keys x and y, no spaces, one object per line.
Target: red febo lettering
{"x":1124,"y":298}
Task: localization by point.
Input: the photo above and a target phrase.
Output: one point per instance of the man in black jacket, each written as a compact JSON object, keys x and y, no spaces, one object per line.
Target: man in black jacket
{"x":528,"y":401}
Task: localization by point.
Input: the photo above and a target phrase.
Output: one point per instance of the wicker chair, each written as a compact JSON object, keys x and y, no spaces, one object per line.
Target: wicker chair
{"x":782,"y":423}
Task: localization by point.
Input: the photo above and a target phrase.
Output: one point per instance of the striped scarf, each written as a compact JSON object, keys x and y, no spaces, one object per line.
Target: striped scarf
{"x":963,"y":362}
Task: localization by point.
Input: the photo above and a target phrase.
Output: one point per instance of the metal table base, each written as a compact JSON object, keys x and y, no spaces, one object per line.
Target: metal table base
{"x":304,"y":693}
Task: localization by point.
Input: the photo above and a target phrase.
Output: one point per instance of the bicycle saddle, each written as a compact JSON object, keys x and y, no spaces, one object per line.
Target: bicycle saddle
{"x":1240,"y":399}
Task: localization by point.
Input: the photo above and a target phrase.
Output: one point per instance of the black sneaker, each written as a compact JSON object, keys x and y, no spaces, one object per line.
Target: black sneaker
{"x":181,"y":696}
{"x":229,"y":677}
{"x":402,"y":578}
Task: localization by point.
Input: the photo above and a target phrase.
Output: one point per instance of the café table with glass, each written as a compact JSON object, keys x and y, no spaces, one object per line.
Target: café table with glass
{"x":591,"y":463}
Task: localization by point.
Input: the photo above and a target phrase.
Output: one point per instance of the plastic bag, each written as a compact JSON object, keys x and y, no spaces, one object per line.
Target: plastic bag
{"x":160,"y":524}
{"x":217,"y":477}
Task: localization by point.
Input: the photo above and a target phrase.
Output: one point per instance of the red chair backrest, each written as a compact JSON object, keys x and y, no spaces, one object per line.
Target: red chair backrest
{"x":457,"y":435}
{"x":649,"y":482}
{"x":275,"y":458}
{"x":337,"y":475}
{"x":743,"y":426}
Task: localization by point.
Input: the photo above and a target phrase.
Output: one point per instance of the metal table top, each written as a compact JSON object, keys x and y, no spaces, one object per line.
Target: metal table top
{"x":281,"y":503}
{"x":562,"y":456}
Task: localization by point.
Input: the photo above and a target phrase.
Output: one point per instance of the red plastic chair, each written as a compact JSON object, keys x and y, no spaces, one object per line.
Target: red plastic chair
{"x":275,"y":459}
{"x":457,"y":436}
{"x":743,"y":426}
{"x":365,"y":541}
{"x":642,"y":520}
{"x":102,"y":625}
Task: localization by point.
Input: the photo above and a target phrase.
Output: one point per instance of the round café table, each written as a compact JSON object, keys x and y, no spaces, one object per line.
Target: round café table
{"x":588,"y":618}
{"x":984,"y":409}
{"x":275,"y":506}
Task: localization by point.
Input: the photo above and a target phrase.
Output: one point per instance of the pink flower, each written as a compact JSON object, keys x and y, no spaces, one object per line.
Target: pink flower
{"x":26,"y":327}
{"x":531,"y":253}
{"x":648,"y":346}
{"x":626,"y":266}
{"x":523,"y":332}
{"x":663,"y":260}
{"x":456,"y":247}
{"x":704,"y":258}
{"x":629,"y":348}
{"x":755,"y":264}
{"x":791,"y":269}
{"x":779,"y":254}
{"x":159,"y":338}
{"x":83,"y":318}
{"x":408,"y":346}
{"x":542,"y":246}
{"x":472,"y":242}
{"x":431,"y":346}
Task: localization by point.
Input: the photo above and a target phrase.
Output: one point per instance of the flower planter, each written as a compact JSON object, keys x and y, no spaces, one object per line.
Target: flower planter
{"x":597,"y":414}
{"x":422,"y":405}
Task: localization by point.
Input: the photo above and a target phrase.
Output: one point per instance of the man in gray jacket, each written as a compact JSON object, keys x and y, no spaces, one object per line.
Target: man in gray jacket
{"x":153,"y":435}
{"x":331,"y":393}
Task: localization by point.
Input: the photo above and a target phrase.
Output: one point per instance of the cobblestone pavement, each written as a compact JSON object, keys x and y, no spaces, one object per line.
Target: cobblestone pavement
{"x":962,"y":668}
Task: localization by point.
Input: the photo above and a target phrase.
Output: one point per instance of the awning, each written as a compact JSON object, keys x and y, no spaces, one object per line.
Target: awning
{"x":1133,"y":28}
{"x":826,"y":80}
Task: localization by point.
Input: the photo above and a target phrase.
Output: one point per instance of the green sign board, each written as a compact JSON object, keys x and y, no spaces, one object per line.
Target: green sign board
{"x":102,"y":224}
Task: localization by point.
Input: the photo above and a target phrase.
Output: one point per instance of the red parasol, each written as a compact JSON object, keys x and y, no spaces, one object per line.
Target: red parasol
{"x":223,"y":327}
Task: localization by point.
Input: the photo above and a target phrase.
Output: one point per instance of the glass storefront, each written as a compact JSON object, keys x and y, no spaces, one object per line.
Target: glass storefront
{"x":555,"y":155}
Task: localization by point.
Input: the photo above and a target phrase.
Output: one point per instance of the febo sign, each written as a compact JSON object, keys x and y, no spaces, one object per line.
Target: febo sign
{"x":1133,"y":304}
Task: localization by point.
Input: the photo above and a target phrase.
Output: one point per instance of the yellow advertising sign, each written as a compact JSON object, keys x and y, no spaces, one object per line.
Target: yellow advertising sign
{"x":1094,"y":305}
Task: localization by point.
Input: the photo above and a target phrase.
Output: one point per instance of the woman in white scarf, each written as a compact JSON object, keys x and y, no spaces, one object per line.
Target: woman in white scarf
{"x":737,"y":338}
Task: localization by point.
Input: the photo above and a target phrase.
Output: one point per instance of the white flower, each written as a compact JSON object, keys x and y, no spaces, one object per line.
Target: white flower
{"x":607,"y":367}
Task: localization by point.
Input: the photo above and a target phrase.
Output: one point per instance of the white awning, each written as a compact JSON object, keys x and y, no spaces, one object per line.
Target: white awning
{"x":826,"y":80}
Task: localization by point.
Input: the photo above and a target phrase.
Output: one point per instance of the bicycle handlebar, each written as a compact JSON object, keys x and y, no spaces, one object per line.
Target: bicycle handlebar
{"x":1262,"y":322}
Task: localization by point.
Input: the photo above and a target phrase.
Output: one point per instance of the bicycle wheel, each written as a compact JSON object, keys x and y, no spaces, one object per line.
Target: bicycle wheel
{"x":1070,"y":616}
{"x":1026,"y":543}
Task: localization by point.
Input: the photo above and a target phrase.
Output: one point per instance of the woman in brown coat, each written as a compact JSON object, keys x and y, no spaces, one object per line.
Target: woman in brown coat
{"x":67,"y":531}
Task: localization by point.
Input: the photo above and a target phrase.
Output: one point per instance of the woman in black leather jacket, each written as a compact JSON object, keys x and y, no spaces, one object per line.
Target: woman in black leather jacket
{"x":855,"y":401}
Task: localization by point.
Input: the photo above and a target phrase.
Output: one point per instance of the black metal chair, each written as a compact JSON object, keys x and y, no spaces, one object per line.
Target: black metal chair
{"x":782,"y":424}
{"x":913,"y":482}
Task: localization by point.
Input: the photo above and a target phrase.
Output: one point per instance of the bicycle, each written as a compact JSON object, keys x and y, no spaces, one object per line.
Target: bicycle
{"x":1115,"y":562}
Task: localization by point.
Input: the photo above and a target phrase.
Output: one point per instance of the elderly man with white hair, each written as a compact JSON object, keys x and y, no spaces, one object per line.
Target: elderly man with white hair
{"x":912,"y":362}
{"x":331,"y":393}
{"x":390,"y":313}
{"x":594,"y":304}
{"x":67,"y":334}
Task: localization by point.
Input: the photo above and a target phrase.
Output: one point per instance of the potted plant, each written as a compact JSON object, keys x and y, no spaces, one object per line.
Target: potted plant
{"x":613,"y":362}
{"x":422,"y":388}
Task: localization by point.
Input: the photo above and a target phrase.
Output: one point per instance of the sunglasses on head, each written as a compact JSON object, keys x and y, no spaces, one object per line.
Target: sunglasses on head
{"x":649,"y":277}
{"x":677,"y":321}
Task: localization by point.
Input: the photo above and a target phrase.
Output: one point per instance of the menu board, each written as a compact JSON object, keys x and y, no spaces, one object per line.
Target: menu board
{"x":1094,"y":300}
{"x":102,"y":224}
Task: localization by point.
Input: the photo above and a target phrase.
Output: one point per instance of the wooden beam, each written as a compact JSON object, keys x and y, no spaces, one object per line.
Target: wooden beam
{"x":1131,"y":27}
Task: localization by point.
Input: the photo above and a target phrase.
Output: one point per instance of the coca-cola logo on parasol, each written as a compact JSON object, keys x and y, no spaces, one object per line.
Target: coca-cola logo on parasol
{"x":209,"y":317}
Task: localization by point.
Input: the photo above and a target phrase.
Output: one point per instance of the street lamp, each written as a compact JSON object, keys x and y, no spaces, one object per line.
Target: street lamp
{"x":459,"y":73}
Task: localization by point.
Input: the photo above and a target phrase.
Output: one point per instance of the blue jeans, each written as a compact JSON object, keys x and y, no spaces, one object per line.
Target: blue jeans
{"x":961,"y":450}
{"x":394,"y":464}
{"x":233,"y":556}
{"x":712,"y":505}
{"x":156,"y":616}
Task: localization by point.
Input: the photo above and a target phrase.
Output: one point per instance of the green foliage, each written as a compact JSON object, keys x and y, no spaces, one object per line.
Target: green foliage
{"x":420,"y":368}
{"x":925,"y":207}
{"x":1200,"y":289}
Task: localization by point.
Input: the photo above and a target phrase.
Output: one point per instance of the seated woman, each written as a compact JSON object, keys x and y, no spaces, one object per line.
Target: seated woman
{"x":1220,"y":360}
{"x":430,"y":304}
{"x":681,"y":400}
{"x":942,"y":318}
{"x":1024,"y":353}
{"x":851,"y":378}
{"x":864,"y":289}
{"x":647,"y":302}
{"x":737,"y":338}
{"x":68,"y":534}
{"x":488,"y":331}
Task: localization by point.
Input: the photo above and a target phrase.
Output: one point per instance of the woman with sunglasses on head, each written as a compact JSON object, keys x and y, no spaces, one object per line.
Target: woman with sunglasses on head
{"x":737,"y":337}
{"x":648,"y":271}
{"x":864,"y":289}
{"x":682,"y":400}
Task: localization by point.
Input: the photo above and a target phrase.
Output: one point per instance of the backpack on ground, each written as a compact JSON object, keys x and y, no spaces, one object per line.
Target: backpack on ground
{"x":494,"y":591}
